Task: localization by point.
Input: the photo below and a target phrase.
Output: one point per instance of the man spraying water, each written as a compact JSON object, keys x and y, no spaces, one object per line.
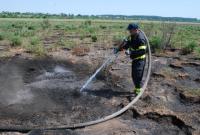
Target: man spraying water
{"x":135,"y":46}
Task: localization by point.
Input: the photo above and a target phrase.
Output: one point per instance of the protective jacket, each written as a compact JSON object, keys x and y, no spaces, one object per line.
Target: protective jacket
{"x":136,"y":45}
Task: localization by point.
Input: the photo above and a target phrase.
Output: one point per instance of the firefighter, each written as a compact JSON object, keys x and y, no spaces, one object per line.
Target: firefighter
{"x":135,"y":46}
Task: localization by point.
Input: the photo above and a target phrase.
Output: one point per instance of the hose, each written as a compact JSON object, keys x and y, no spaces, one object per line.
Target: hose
{"x":79,"y":125}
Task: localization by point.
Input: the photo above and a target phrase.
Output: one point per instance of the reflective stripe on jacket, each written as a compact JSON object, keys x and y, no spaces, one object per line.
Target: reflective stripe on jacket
{"x":137,"y":46}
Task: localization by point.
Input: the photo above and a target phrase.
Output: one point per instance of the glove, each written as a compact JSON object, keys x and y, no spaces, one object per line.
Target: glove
{"x":116,"y":50}
{"x":128,"y":52}
{"x":125,"y":39}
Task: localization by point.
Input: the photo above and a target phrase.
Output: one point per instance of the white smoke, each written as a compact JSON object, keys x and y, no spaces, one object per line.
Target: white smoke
{"x":12,"y":90}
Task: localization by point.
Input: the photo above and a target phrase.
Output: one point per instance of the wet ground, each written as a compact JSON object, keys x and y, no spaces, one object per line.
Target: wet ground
{"x":45,"y":93}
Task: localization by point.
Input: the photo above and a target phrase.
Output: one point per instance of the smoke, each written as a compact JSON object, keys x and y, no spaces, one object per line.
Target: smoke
{"x":59,"y":69}
{"x":12,"y":89}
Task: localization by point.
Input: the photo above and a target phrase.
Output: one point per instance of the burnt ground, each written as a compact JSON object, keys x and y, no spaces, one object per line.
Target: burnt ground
{"x":40,"y":93}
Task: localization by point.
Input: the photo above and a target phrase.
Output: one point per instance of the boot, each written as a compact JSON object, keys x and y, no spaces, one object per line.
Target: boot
{"x":137,"y":91}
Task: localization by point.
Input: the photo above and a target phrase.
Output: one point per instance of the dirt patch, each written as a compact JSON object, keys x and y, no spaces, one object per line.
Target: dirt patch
{"x":45,"y":93}
{"x":53,"y":96}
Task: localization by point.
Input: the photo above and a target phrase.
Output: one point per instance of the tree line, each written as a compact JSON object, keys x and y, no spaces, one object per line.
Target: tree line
{"x":79,"y":16}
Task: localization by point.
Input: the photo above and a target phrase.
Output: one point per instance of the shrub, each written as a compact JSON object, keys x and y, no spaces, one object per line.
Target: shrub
{"x":102,"y":27}
{"x":1,"y":36}
{"x":198,"y":50}
{"x":70,"y":27}
{"x":121,"y":27}
{"x":39,"y":50}
{"x":61,"y":42}
{"x":189,"y":48}
{"x":59,"y":26}
{"x":88,"y":22}
{"x":31,"y":27}
{"x":18,"y":25}
{"x":45,"y":24}
{"x":91,"y":30}
{"x":35,"y":40}
{"x":25,"y":32}
{"x":168,"y":30}
{"x":156,"y":43}
{"x":94,"y":38}
{"x":36,"y":49}
{"x":82,"y":36}
{"x":16,"y":41}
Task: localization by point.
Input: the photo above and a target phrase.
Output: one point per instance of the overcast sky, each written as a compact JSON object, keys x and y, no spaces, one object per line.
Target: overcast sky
{"x":170,"y":8}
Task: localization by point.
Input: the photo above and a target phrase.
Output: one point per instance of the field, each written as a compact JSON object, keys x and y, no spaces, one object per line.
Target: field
{"x":45,"y":62}
{"x":39,"y":36}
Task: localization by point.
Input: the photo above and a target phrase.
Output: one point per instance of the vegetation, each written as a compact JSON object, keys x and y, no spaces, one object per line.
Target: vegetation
{"x":189,"y":48}
{"x":193,"y":92}
{"x":155,"y":42}
{"x":34,"y":40}
{"x":189,"y":92}
{"x":110,"y":17}
{"x":45,"y":24}
{"x":16,"y":41}
{"x":49,"y":34}
{"x":198,"y":50}
{"x":94,"y":38}
{"x":37,"y":49}
{"x":1,"y":36}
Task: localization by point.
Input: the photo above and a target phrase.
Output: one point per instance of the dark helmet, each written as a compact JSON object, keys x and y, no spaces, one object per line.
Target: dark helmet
{"x":132,"y":26}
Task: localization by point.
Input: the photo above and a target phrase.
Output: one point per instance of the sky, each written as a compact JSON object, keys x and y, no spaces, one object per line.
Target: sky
{"x":166,"y":8}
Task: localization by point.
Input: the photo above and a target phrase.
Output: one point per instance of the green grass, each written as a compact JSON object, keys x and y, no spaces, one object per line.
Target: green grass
{"x":37,"y":49}
{"x":34,"y":40}
{"x":94,"y":38}
{"x":19,"y":31}
{"x":1,"y":36}
{"x":45,"y":24}
{"x":155,"y":42}
{"x":197,"y":51}
{"x":69,"y":44}
{"x":15,"y":41}
{"x":190,"y":47}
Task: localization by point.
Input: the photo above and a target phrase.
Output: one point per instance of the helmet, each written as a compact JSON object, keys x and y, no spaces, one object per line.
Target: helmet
{"x":132,"y":26}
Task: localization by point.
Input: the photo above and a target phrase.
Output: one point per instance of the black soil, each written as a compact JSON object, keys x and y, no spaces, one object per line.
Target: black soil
{"x":42,"y":93}
{"x":45,"y":93}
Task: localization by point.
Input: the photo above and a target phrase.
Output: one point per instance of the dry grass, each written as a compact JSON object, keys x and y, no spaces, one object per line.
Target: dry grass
{"x":188,"y":92}
{"x":192,"y":92}
{"x":80,"y":51}
{"x":168,"y":74}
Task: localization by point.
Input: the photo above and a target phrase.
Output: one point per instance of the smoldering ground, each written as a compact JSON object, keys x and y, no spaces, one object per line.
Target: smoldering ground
{"x":46,"y":92}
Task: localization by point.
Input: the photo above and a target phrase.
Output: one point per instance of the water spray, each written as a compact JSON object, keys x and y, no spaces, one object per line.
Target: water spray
{"x":108,"y":61}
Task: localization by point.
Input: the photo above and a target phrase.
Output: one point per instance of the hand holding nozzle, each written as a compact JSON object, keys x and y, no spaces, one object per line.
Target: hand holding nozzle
{"x":119,"y":47}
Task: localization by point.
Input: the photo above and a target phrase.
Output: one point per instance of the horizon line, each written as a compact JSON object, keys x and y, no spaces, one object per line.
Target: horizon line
{"x":99,"y":14}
